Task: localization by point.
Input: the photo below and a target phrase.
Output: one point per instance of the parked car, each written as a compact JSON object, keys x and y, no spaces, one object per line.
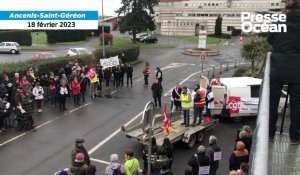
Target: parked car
{"x":10,"y":47}
{"x":43,"y":56}
{"x":78,"y":51}
{"x":140,"y":36}
{"x":149,"y":39}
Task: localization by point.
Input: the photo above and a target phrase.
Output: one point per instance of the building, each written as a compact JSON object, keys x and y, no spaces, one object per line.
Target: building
{"x":111,"y":21}
{"x":187,"y":17}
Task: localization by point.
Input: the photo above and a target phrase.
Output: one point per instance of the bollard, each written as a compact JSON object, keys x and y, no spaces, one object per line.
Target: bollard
{"x":227,"y":67}
{"x":235,"y":64}
{"x":220,"y":68}
{"x":213,"y":72}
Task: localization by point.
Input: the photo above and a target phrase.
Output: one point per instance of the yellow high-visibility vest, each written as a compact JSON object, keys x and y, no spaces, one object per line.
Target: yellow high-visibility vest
{"x":95,"y":79}
{"x":184,"y":98}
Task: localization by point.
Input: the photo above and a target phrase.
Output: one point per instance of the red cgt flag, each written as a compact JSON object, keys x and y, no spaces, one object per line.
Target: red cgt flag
{"x":217,"y":82}
{"x":166,"y":123}
{"x":91,"y":73}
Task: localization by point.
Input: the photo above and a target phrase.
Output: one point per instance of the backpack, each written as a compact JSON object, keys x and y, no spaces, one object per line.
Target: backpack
{"x":117,"y":171}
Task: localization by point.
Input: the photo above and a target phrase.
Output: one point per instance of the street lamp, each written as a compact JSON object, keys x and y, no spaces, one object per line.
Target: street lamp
{"x":103,"y":42}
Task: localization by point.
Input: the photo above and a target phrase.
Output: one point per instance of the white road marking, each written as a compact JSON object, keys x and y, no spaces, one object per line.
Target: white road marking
{"x":40,"y":126}
{"x":80,"y":107}
{"x":100,"y":161}
{"x":113,"y":92}
{"x":113,"y":134}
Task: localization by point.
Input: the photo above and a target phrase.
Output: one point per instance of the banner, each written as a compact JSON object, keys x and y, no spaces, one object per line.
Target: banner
{"x":202,"y":39}
{"x":49,"y":14}
{"x":110,"y":62}
{"x":243,"y":105}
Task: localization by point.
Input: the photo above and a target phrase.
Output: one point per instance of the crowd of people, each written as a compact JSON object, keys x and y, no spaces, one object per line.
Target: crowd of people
{"x":20,"y":93}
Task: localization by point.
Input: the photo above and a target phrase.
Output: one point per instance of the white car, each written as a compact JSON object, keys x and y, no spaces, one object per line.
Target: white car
{"x":78,"y":51}
{"x":10,"y":47}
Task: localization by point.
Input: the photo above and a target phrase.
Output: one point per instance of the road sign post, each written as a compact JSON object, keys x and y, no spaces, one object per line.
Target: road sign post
{"x":203,"y":59}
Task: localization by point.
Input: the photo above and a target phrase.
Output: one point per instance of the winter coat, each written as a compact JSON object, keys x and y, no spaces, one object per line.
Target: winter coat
{"x":285,"y":56}
{"x":26,"y":103}
{"x":131,"y":165}
{"x":78,"y":168}
{"x":198,"y":160}
{"x":247,"y":141}
{"x":75,"y":87}
{"x":159,"y":75}
{"x":176,"y":95}
{"x":156,"y":90}
{"x":83,"y":84}
{"x":146,"y":70}
{"x":236,"y":158}
{"x":211,"y":150}
{"x":84,"y":152}
{"x":38,"y":92}
{"x":129,"y":71}
{"x":113,"y":166}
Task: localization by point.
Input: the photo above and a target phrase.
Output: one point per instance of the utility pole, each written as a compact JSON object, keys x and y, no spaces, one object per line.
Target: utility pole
{"x":103,"y":42}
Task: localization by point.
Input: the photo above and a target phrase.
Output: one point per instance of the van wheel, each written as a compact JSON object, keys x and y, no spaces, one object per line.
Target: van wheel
{"x":200,"y":136}
{"x":13,"y":51}
{"x":192,"y":141}
{"x":237,"y":119}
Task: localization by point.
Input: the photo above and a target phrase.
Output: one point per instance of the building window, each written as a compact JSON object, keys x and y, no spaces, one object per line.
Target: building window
{"x":205,"y":4}
{"x":202,"y":14}
{"x":208,"y":4}
{"x":277,"y":4}
{"x":158,"y":15}
{"x":198,"y":14}
{"x":202,"y":28}
{"x":211,"y":14}
{"x":230,"y":28}
{"x":205,"y":14}
{"x":217,"y":4}
{"x":213,"y":4}
{"x":272,"y":4}
{"x":238,"y":15}
{"x":186,"y":4}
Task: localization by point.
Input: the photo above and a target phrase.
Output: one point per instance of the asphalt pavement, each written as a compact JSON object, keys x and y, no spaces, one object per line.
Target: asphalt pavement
{"x":47,"y":149}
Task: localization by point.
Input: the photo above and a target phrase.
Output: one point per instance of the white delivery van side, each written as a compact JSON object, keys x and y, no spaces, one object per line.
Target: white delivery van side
{"x":237,"y":97}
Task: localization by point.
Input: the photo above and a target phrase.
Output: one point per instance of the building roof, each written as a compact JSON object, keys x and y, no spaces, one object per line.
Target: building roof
{"x":240,"y":81}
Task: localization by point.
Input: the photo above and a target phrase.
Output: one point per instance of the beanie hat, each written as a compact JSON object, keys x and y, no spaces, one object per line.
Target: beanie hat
{"x":79,"y":157}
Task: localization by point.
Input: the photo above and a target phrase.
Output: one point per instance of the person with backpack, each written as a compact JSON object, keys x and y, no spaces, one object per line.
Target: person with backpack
{"x":132,"y":165}
{"x":114,"y":167}
{"x":200,"y":162}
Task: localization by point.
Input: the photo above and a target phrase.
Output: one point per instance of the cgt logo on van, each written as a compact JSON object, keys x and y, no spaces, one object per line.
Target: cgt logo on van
{"x":234,"y":104}
{"x":259,"y":23}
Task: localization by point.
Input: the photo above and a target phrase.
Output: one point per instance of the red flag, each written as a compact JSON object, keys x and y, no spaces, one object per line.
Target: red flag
{"x":217,"y":82}
{"x":166,"y":121}
{"x":91,"y":73}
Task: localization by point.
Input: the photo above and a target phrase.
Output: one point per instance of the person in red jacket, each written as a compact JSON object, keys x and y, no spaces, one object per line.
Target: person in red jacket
{"x":146,"y":73}
{"x":75,"y":90}
{"x":199,"y":104}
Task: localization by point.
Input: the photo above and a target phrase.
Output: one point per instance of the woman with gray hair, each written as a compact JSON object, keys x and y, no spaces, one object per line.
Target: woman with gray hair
{"x":114,"y":167}
{"x":200,"y":162}
{"x":215,"y":154}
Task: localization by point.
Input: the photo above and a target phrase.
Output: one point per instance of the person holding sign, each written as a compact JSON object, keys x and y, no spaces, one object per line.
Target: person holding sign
{"x":200,"y":162}
{"x":215,"y":154}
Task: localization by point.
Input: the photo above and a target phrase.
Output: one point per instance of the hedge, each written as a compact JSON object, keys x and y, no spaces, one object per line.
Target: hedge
{"x":223,"y":36}
{"x":99,"y":31}
{"x":55,"y":36}
{"x":131,"y":52}
{"x":45,"y":66}
{"x":20,"y":36}
{"x":54,"y":64}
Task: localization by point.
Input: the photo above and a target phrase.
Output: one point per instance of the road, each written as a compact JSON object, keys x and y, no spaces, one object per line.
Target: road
{"x":47,"y":149}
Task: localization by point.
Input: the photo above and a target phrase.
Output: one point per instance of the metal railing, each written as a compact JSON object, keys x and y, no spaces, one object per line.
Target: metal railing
{"x":261,"y":133}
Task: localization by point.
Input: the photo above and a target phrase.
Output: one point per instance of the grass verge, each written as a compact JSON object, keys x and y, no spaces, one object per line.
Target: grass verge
{"x":195,"y":39}
{"x":39,"y":37}
{"x":36,"y":48}
{"x":118,"y":41}
{"x":135,"y":62}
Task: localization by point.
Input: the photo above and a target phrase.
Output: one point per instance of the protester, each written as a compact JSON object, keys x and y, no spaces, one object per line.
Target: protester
{"x":116,"y":73}
{"x":83,"y":86}
{"x":121,"y":75}
{"x":38,"y":93}
{"x":185,"y":99}
{"x":243,"y":169}
{"x":107,"y":75}
{"x":45,"y":85}
{"x":188,"y":172}
{"x":159,"y":75}
{"x":79,"y":148}
{"x":237,"y":157}
{"x":91,"y":170}
{"x":285,"y":65}
{"x":168,"y":146}
{"x":215,"y":154}
{"x":210,"y":104}
{"x":156,"y":92}
{"x":2,"y":115}
{"x":62,"y":173}
{"x":8,"y":85}
{"x":132,"y":165}
{"x":233,"y":172}
{"x":246,"y":138}
{"x":94,"y":84}
{"x":176,"y":92}
{"x":162,"y":163}
{"x":76,"y":91}
{"x":52,"y":90}
{"x":114,"y":167}
{"x":146,"y":73}
{"x":24,"y":106}
{"x":129,"y":72}
{"x":62,"y":95}
{"x":200,"y":162}
{"x":78,"y":165}
{"x":8,"y":122}
{"x":199,"y":104}
{"x":153,"y":156}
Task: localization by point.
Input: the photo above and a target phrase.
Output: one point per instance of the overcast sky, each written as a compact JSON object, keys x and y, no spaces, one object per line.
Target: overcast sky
{"x":110,"y":6}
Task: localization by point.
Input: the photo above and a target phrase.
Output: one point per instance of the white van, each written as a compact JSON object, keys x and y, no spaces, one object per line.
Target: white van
{"x":237,"y":96}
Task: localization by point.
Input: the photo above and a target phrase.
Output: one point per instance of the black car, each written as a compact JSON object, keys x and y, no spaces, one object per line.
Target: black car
{"x":149,"y":39}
